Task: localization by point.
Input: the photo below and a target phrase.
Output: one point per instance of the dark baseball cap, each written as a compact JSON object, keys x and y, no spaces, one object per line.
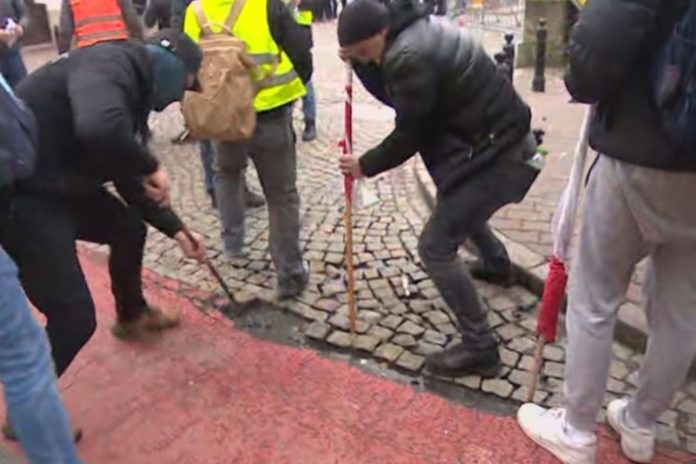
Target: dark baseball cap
{"x":183,"y":48}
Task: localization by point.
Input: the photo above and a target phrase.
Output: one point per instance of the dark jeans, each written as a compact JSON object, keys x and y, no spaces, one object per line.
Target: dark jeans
{"x":40,"y":235}
{"x":460,"y":215}
{"x":12,"y":68}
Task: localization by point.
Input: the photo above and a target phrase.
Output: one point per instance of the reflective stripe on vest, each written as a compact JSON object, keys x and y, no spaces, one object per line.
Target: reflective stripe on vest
{"x":276,"y":78}
{"x":305,"y":18}
{"x":97,"y":21}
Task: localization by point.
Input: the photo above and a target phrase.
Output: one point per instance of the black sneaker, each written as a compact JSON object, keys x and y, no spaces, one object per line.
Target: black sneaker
{"x":462,"y":360}
{"x":496,"y":275}
{"x":293,"y":287}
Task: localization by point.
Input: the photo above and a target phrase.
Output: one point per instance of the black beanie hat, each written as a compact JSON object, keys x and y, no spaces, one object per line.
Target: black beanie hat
{"x":361,"y":20}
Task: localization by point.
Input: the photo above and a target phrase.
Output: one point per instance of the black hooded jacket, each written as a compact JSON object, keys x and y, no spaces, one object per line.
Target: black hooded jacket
{"x":611,"y":53}
{"x":452,"y":104}
{"x":91,"y":106}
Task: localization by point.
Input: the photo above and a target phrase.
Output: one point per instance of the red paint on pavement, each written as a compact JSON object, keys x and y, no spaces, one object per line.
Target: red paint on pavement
{"x":210,"y":394}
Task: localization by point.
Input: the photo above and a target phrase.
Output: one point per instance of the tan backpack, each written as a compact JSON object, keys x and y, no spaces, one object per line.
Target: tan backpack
{"x":224,"y":109}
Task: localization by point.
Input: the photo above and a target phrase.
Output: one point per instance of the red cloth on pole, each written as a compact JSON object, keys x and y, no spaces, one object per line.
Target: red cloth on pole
{"x":552,"y":301}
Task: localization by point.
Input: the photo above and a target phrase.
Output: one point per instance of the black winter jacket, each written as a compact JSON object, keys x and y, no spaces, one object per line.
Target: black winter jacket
{"x":91,"y":106}
{"x":452,"y":104}
{"x":611,"y":50}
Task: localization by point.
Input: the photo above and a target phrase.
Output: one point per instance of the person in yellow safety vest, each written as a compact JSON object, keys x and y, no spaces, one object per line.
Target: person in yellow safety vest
{"x":279,"y":46}
{"x":302,"y":10}
{"x":93,"y":21}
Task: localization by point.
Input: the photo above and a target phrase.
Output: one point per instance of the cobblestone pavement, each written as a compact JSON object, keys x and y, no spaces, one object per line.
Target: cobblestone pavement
{"x":398,"y":326}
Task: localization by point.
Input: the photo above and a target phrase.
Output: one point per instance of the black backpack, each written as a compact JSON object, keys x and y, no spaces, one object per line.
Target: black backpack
{"x":674,"y":83}
{"x":18,"y":139}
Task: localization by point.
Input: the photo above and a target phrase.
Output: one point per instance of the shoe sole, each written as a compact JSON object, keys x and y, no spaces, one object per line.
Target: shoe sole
{"x":543,"y":444}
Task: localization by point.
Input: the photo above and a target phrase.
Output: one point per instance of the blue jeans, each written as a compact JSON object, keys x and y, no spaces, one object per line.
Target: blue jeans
{"x":309,"y":103}
{"x":29,"y":378}
{"x":12,"y":68}
{"x":207,"y":156}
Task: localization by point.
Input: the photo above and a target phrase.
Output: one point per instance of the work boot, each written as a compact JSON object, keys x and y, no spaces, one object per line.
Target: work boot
{"x":9,"y":433}
{"x":252,"y":199}
{"x":310,"y":131}
{"x":463,"y":360}
{"x":151,"y":321}
{"x":501,"y":276}
{"x":293,"y":287}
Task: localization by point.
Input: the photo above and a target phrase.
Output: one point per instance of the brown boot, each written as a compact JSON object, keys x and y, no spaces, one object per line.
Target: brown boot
{"x":153,"y":320}
{"x":9,"y":432}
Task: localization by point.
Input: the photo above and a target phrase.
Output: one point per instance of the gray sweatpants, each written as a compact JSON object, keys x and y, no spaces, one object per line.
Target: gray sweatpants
{"x":631,"y":213}
{"x":272,"y":150}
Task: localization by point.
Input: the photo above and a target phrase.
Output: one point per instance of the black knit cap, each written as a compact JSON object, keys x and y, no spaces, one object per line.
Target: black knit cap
{"x":361,"y":20}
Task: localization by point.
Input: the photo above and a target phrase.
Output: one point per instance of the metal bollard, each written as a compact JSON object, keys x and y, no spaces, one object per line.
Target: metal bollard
{"x":539,"y":82}
{"x":509,"y":50}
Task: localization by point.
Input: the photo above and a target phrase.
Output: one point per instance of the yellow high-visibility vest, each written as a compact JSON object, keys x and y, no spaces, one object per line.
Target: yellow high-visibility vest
{"x":281,"y":84}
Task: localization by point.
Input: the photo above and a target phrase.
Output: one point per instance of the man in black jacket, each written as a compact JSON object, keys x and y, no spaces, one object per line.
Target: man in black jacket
{"x":473,"y":132}
{"x":90,"y":106}
{"x":639,"y":203}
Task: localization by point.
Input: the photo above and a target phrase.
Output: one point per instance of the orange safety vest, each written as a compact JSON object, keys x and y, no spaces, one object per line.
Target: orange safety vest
{"x":98,"y":21}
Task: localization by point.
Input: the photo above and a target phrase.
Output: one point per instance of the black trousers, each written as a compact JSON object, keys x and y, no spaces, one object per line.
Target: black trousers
{"x":40,"y":234}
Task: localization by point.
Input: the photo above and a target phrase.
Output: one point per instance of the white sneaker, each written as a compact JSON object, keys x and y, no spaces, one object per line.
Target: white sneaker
{"x":548,"y":429}
{"x":637,"y":444}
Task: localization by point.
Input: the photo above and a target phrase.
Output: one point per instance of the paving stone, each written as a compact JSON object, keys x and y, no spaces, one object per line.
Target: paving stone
{"x":494,"y":319}
{"x":523,"y":297}
{"x":618,"y":369}
{"x":382,"y":333}
{"x":509,"y":332}
{"x":424,"y":348}
{"x":389,"y":352}
{"x":410,"y":328}
{"x":470,"y":381}
{"x":508,"y":357}
{"x":392,"y":321}
{"x":404,"y":340}
{"x":415,"y":318}
{"x":667,"y":435}
{"x":687,"y":406}
{"x":434,"y":337}
{"x":623,"y":352}
{"x":498,"y":387}
{"x":554,"y":353}
{"x":307,"y":311}
{"x":366,"y":343}
{"x":447,"y":329}
{"x":669,"y":418}
{"x":420,"y":307}
{"x":342,"y":321}
{"x":317,"y":331}
{"x":520,"y":395}
{"x":340,"y":339}
{"x":371,"y":317}
{"x":554,"y":369}
{"x":437,"y":317}
{"x":522,"y":345}
{"x":519,"y":377}
{"x":632,"y":378}
{"x":332,"y":289}
{"x":334,"y":258}
{"x":410,"y":361}
{"x":501,"y":303}
{"x":328,"y":305}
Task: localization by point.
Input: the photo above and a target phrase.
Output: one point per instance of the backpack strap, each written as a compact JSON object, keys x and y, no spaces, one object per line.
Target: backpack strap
{"x":236,"y":10}
{"x":201,"y":18}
